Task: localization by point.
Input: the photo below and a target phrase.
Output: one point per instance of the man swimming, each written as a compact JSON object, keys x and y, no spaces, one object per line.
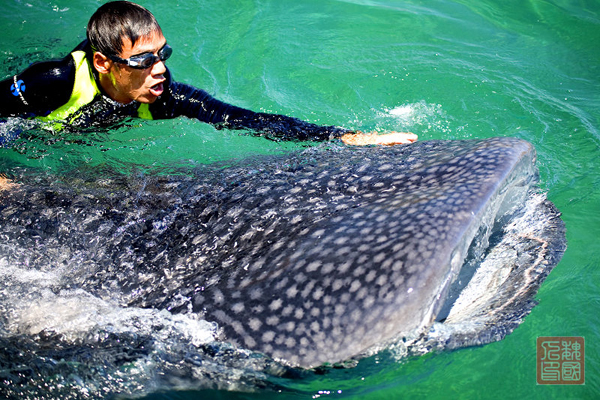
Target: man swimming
{"x":119,"y":71}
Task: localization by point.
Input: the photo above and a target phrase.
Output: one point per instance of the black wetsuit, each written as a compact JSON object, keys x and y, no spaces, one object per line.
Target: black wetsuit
{"x":46,"y":86}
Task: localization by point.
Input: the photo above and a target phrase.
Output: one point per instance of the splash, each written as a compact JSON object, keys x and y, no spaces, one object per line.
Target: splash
{"x":12,"y":128}
{"x":426,"y":119}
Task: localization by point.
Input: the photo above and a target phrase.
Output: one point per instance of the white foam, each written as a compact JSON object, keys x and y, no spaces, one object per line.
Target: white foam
{"x":420,"y":117}
{"x":75,"y":314}
{"x":32,"y":306}
{"x":402,"y":111}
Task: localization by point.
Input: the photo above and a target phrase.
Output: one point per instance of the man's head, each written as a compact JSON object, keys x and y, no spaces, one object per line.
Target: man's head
{"x":118,"y":31}
{"x":118,"y":20}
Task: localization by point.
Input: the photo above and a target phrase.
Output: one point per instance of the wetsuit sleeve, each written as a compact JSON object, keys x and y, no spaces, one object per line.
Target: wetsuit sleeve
{"x":39,"y":90}
{"x":186,"y":100}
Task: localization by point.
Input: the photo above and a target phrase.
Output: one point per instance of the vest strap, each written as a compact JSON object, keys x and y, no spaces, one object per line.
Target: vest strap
{"x":84,"y":91}
{"x":144,"y":111}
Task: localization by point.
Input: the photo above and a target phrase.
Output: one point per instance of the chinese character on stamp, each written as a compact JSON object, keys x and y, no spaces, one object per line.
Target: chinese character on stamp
{"x":560,"y":360}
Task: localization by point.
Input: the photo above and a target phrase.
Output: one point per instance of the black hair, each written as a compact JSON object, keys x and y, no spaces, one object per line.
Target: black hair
{"x":116,"y":20}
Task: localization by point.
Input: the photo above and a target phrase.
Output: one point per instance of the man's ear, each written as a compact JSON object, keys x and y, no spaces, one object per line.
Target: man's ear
{"x":101,"y":63}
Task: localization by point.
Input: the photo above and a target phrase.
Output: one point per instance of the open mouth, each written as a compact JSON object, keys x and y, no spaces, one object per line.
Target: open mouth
{"x":157,"y":89}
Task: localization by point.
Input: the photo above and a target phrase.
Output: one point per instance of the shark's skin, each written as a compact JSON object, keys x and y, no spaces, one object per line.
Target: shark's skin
{"x":311,"y":258}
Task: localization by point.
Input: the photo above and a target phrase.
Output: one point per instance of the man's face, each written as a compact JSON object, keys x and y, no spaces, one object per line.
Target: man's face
{"x":143,"y":85}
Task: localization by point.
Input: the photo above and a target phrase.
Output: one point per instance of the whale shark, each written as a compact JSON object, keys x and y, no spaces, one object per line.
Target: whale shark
{"x":310,"y":258}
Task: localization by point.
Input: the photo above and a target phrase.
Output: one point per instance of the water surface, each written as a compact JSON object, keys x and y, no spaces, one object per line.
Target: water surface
{"x":442,"y":69}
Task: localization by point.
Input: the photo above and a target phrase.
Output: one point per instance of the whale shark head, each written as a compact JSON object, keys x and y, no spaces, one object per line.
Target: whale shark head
{"x":311,"y":258}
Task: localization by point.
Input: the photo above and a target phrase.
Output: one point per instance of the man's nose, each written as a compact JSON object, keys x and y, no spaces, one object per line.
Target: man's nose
{"x":159,"y":68}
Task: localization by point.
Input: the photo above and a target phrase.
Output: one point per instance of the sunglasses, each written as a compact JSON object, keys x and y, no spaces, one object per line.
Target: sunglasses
{"x":145,"y":60}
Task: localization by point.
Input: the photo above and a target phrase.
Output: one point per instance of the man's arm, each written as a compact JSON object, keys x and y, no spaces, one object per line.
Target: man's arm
{"x":186,"y":100}
{"x":38,"y":90}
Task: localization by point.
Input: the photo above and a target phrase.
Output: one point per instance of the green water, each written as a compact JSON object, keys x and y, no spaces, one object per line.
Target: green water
{"x":442,"y":69}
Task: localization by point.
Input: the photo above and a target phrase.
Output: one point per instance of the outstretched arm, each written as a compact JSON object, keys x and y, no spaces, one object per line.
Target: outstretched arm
{"x":186,"y":100}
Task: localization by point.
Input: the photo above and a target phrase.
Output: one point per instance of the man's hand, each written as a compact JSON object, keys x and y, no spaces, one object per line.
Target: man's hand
{"x":6,"y":184}
{"x":388,"y":139}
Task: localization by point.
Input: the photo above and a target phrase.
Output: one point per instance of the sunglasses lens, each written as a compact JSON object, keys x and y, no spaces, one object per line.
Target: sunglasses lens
{"x":147,"y":61}
{"x":165,"y":52}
